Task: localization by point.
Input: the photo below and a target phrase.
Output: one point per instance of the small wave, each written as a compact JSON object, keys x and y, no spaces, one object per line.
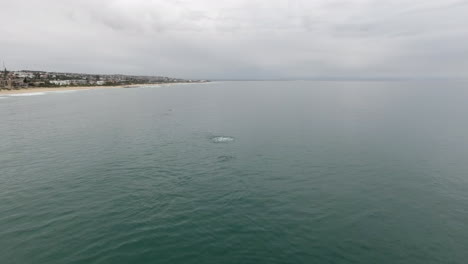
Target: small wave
{"x":27,"y":94}
{"x":67,"y":91}
{"x":222,"y":139}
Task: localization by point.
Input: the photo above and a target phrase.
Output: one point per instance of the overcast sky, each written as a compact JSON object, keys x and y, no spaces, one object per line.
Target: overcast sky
{"x":236,"y":39}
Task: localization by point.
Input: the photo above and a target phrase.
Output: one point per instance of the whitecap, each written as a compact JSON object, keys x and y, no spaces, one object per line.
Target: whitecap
{"x":222,"y":139}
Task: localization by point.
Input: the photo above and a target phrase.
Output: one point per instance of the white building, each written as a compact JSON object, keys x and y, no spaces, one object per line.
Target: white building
{"x":22,"y":74}
{"x":61,"y":82}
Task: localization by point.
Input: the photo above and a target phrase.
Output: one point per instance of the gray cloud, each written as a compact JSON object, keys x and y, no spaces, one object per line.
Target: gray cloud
{"x":239,"y":39}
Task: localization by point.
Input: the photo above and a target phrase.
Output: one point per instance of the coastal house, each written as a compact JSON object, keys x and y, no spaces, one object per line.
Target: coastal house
{"x":39,"y":83}
{"x":19,"y":83}
{"x":7,"y":80}
{"x":12,"y":83}
{"x":6,"y":84}
{"x":79,"y":82}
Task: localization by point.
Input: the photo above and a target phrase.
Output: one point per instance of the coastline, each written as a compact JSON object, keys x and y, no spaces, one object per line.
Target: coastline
{"x":72,"y":88}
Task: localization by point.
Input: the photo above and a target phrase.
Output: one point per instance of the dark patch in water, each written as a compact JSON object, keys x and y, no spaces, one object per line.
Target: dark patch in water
{"x":225,"y":158}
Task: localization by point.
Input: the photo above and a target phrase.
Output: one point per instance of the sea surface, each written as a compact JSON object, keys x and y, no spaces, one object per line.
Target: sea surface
{"x":237,"y":172}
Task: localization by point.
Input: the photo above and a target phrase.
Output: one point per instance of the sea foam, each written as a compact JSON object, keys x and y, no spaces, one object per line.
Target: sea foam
{"x":26,"y":94}
{"x":66,"y":91}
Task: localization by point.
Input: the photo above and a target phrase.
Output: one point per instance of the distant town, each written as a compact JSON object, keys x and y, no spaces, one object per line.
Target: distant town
{"x":15,"y":80}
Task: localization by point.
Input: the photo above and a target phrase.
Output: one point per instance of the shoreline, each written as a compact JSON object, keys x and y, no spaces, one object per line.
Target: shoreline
{"x":72,"y":88}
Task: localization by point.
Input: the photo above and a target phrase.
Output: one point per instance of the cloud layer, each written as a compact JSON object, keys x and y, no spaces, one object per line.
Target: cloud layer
{"x":260,"y":39}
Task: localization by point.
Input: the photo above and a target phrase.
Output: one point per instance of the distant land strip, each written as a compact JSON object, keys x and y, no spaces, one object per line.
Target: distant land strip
{"x":26,"y":79}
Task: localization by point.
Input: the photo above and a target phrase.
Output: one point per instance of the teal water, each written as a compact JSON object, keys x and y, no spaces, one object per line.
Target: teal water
{"x":237,"y":172}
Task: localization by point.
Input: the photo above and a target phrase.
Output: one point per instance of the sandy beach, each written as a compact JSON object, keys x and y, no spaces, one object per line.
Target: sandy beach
{"x":70,"y":88}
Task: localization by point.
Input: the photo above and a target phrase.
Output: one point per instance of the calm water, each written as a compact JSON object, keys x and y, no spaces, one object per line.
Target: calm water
{"x":237,"y":172}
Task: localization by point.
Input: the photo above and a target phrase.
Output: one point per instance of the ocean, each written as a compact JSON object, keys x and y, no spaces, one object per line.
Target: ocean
{"x":237,"y":172}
